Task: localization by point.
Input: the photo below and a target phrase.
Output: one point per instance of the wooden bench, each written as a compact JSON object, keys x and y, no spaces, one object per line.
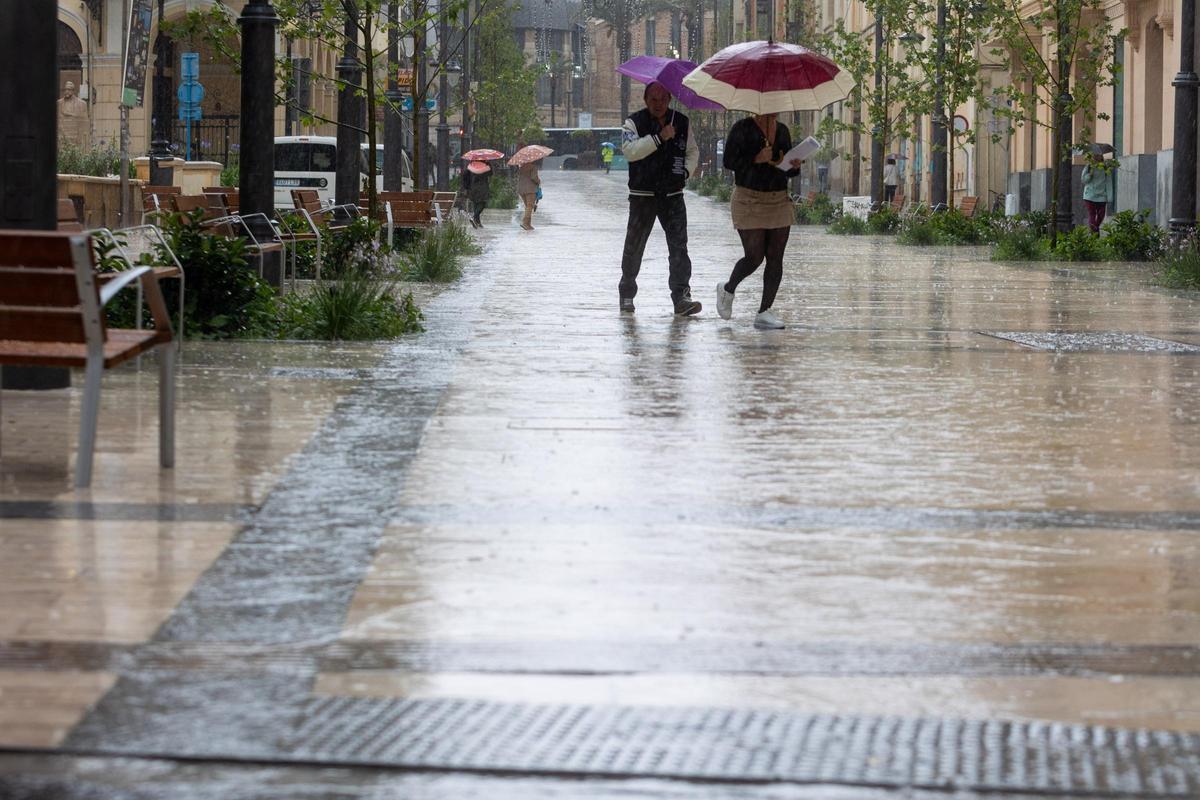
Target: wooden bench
{"x":217,"y":220}
{"x":967,"y":206}
{"x":52,"y":315}
{"x":404,"y":210}
{"x":156,"y":200}
{"x":229,"y":197}
{"x":315,"y":215}
{"x":144,"y":246}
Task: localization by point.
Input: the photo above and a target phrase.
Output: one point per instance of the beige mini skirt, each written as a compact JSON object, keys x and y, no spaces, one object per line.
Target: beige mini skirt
{"x":752,"y":210}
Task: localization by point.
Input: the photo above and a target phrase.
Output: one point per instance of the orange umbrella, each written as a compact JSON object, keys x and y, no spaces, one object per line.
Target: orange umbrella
{"x":528,"y":154}
{"x":478,"y":167}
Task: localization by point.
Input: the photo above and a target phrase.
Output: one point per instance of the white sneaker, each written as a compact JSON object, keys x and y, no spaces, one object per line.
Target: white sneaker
{"x":724,"y":301}
{"x":767,"y":321}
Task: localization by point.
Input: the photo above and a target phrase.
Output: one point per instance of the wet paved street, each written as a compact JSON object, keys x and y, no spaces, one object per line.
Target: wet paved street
{"x":905,"y":545}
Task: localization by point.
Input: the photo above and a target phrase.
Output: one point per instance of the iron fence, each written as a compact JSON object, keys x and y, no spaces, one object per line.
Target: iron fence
{"x":213,"y":138}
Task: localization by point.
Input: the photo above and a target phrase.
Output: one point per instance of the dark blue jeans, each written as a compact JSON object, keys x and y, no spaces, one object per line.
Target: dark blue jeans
{"x":671,"y":213}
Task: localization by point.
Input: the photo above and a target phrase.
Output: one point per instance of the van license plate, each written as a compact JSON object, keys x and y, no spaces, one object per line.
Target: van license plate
{"x":287,"y":181}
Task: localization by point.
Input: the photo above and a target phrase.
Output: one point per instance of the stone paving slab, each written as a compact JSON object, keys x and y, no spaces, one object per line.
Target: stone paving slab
{"x":879,"y":438}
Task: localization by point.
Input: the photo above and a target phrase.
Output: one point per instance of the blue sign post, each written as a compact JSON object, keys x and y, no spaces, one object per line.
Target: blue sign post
{"x":190,"y":94}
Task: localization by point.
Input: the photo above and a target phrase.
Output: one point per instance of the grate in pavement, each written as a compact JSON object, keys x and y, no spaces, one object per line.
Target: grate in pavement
{"x":739,"y":745}
{"x":1110,"y":342}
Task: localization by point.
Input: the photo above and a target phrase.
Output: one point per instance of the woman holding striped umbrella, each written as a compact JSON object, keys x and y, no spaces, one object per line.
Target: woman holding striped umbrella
{"x":764,"y":78}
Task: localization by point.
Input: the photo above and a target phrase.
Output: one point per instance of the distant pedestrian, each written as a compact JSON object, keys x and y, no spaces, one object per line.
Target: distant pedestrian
{"x":528,"y":185}
{"x":479,"y":191}
{"x":606,"y":155}
{"x":1097,"y":182}
{"x":761,"y":209}
{"x":661,"y":155}
{"x":891,"y":180}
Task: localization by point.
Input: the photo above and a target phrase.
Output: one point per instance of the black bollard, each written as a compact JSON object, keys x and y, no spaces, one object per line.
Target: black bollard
{"x":257,"y":178}
{"x":29,"y":134}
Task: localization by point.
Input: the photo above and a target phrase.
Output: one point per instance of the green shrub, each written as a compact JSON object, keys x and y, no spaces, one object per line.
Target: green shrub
{"x":848,"y":225}
{"x":97,"y":161}
{"x":953,"y":228}
{"x":1080,"y":244}
{"x":918,"y":230}
{"x":1131,"y":237}
{"x":722,"y":192}
{"x":354,"y":248}
{"x":504,"y":193}
{"x":821,"y":211}
{"x":357,"y":307}
{"x":1181,"y":265}
{"x":433,"y":258}
{"x":460,"y":239}
{"x":225,"y":297}
{"x":1037,"y":220}
{"x":1017,"y":240}
{"x":885,"y":220}
{"x":231,"y":173}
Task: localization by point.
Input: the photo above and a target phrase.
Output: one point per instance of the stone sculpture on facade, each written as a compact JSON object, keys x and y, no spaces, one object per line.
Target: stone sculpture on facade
{"x":73,"y":124}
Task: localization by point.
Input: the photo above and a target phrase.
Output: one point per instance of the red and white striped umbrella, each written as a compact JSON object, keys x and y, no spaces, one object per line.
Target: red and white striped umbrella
{"x":769,"y":77}
{"x":478,"y":167}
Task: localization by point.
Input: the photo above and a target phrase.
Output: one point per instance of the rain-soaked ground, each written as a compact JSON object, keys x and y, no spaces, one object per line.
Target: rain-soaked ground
{"x":940,"y":537}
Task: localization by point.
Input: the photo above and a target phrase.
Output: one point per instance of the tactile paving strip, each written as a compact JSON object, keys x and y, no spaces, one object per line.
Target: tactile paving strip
{"x":1105,"y":342}
{"x":738,"y":745}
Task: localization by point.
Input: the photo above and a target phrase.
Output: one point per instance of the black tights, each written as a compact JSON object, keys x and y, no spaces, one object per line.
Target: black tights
{"x":760,"y":243}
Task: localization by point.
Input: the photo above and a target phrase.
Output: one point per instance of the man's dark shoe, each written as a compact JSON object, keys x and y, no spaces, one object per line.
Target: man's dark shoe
{"x":627,"y":304}
{"x":686,"y":306}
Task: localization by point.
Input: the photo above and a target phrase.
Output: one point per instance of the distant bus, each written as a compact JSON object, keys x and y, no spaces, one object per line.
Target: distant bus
{"x":310,"y":162}
{"x":573,"y":141}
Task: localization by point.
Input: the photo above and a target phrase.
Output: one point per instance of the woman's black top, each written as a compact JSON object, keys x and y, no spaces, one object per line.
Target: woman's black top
{"x":744,"y":143}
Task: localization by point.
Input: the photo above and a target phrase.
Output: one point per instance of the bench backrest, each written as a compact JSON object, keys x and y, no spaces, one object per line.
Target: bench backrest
{"x":48,"y":290}
{"x":897,"y":201}
{"x":187,"y":203}
{"x":967,"y":205}
{"x":224,"y":197}
{"x":308,"y":200}
{"x":410,"y":212}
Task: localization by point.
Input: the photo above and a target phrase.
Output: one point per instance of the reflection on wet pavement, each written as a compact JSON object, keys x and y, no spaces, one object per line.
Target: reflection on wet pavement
{"x":544,"y":474}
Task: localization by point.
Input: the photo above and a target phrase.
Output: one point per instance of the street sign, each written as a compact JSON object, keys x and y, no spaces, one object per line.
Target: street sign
{"x":190,"y":66}
{"x":406,"y":104}
{"x":190,"y":93}
{"x":406,"y":78}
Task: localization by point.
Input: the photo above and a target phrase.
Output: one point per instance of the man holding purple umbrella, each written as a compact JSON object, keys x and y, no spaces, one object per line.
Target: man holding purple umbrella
{"x":661,"y":157}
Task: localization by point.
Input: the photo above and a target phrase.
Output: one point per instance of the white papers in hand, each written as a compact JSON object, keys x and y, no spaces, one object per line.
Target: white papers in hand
{"x":801,"y":152}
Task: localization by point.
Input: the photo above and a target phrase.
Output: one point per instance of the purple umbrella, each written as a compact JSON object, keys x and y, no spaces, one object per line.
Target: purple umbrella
{"x":670,"y":72}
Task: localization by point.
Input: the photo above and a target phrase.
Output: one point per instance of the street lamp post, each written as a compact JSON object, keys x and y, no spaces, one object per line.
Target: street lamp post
{"x":393,"y":124}
{"x":443,"y":128}
{"x":1183,"y":168}
{"x":160,"y":145}
{"x":350,"y":113}
{"x":256,"y":182}
{"x":878,"y":130}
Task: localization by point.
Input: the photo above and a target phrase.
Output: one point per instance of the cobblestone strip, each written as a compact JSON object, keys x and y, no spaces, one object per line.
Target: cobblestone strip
{"x":747,"y":746}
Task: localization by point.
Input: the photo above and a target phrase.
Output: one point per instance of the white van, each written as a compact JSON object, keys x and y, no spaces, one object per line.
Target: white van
{"x":310,"y":162}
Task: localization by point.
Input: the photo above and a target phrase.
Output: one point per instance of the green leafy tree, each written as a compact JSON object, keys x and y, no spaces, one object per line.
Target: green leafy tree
{"x":1059,"y":56}
{"x":953,"y":62}
{"x":882,"y":80}
{"x":325,"y":21}
{"x":506,"y":103}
